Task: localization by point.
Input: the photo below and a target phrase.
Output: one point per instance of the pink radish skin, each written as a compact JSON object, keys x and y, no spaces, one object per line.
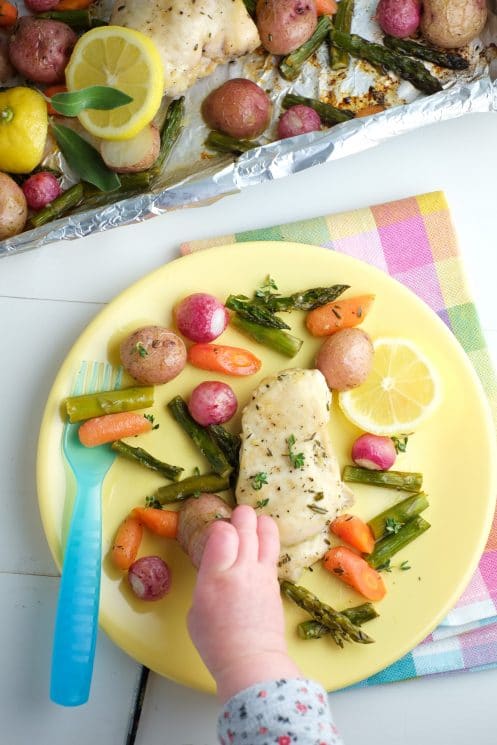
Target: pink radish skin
{"x":298,"y":120}
{"x":201,"y":317}
{"x":149,"y":578}
{"x":374,"y":452}
{"x":212,"y":402}
{"x":399,"y":18}
{"x":41,"y":189}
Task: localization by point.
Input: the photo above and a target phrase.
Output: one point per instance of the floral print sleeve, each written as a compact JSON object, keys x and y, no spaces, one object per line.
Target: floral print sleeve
{"x":279,"y":712}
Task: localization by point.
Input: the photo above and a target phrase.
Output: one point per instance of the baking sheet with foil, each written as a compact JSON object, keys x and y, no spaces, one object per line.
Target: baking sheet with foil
{"x":194,"y":176}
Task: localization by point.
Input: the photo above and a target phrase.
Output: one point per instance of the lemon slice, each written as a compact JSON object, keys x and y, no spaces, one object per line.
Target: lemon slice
{"x":125,"y":59}
{"x":401,"y":391}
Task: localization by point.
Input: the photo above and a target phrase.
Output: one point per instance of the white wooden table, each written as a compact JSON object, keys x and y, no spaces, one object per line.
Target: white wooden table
{"x":46,"y":299}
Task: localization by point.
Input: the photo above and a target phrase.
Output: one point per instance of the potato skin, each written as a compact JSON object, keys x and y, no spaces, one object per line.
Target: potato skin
{"x":111,"y":151}
{"x":40,"y":49}
{"x":13,"y":207}
{"x":153,"y":355}
{"x":6,"y":70}
{"x":453,"y":23}
{"x":285,"y":24}
{"x":195,"y":517}
{"x":345,"y":359}
{"x":239,"y":108}
{"x":399,"y":18}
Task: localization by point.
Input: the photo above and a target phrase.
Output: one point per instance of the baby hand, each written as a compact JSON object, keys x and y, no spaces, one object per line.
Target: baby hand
{"x":236,"y":620}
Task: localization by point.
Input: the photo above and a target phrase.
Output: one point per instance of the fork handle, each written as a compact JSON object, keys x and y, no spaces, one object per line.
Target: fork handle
{"x":76,"y":621}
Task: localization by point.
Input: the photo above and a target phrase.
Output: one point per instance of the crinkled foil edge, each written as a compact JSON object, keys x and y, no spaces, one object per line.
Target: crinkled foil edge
{"x":273,"y":161}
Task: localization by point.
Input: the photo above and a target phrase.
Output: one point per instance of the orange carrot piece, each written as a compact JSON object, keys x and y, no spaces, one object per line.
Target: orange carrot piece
{"x":354,"y":531}
{"x":161,"y":522}
{"x":111,"y":427}
{"x":73,"y":4}
{"x":370,"y":109}
{"x":340,"y":314}
{"x":326,"y":7}
{"x":8,"y":14}
{"x":354,"y":571}
{"x":127,"y":542}
{"x":223,"y":359}
{"x":51,"y":91}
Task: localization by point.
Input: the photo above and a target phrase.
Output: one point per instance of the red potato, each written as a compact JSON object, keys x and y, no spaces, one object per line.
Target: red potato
{"x":285,"y":24}
{"x":13,"y":207}
{"x":6,"y":70}
{"x":40,"y":49}
{"x":239,"y":108}
{"x":346,"y":358}
{"x":212,"y":402}
{"x":40,"y":189}
{"x":195,"y":517}
{"x":399,"y":18}
{"x":374,"y":452}
{"x":298,"y":120}
{"x":201,"y":317}
{"x":41,"y":6}
{"x":149,"y":578}
{"x":153,"y":355}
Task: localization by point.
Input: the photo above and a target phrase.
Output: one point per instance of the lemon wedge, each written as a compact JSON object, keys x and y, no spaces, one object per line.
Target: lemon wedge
{"x":125,"y":59}
{"x":401,"y":391}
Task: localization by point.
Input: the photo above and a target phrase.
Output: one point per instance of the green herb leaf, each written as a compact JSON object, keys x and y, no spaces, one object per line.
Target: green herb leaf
{"x":99,"y":97}
{"x":296,"y":459}
{"x":84,"y":159}
{"x":153,"y":502}
{"x":385,"y":567}
{"x":400,"y":443}
{"x":196,"y":471}
{"x":261,"y":503}
{"x":258,"y":480}
{"x":265,"y":291}
{"x":317,"y":508}
{"x":140,"y":349}
{"x":392,"y":526}
{"x":405,"y":566}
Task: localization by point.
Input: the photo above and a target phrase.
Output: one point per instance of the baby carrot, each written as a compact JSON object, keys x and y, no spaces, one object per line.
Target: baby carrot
{"x":8,"y":14}
{"x":161,"y":522}
{"x":354,"y":571}
{"x":326,"y":7}
{"x":354,"y":531}
{"x":224,"y":359}
{"x":127,"y":542}
{"x":340,"y":314}
{"x":111,"y":427}
{"x":73,"y":4}
{"x":51,"y":91}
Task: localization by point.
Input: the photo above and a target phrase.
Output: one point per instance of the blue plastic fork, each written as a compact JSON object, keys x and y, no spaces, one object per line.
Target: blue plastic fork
{"x":76,"y":621}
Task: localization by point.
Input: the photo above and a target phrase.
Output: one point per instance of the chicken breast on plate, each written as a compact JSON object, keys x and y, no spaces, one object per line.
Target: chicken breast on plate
{"x":193,"y":37}
{"x":288,"y":469}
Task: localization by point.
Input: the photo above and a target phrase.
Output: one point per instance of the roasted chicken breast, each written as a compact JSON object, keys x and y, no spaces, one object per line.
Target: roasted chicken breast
{"x":287,"y":465}
{"x":193,"y":36}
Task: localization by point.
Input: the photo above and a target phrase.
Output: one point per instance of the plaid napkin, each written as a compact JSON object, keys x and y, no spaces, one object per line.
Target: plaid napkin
{"x":432,"y":267}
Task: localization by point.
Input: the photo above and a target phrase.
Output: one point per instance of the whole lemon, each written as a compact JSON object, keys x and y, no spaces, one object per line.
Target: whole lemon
{"x":23,"y":129}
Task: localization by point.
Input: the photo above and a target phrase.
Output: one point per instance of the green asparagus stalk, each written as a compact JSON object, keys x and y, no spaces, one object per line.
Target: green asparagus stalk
{"x":442,"y":58}
{"x":339,"y":58}
{"x":341,"y":627}
{"x":108,"y":402}
{"x":200,"y":437}
{"x":170,"y":132}
{"x":191,"y":486}
{"x":393,"y":518}
{"x":277,"y":339}
{"x":405,"y":67}
{"x":228,"y":442}
{"x":306,"y":300}
{"x":291,"y":66}
{"x":389,"y":546}
{"x":76,"y":19}
{"x":254,"y":311}
{"x":250,"y":5}
{"x":59,"y":207}
{"x":329,"y":114}
{"x":358,"y":615}
{"x":139,"y":455}
{"x":222,"y":143}
{"x":405,"y":480}
{"x":131,"y":183}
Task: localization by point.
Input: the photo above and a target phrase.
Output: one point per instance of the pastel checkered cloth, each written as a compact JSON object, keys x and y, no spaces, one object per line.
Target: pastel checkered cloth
{"x":414,"y":241}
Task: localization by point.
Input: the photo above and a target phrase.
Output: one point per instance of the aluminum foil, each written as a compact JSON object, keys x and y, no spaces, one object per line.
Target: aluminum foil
{"x":193,"y":176}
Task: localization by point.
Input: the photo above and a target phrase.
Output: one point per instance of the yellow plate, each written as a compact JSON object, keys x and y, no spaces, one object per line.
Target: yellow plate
{"x":455,"y":450}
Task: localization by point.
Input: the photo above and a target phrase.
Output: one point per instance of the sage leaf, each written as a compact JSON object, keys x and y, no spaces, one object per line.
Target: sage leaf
{"x":100,"y":97}
{"x":84,"y":159}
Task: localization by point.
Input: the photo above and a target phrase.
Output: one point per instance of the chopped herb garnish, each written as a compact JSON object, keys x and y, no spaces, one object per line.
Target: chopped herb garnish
{"x":259,"y":480}
{"x":196,"y":494}
{"x":385,"y":567}
{"x":265,"y":290}
{"x":196,"y":471}
{"x":140,"y":349}
{"x":318,"y":496}
{"x":316,"y":508}
{"x":336,"y":313}
{"x":151,"y":419}
{"x":296,"y":459}
{"x":400,"y":443}
{"x":405,"y":566}
{"x":153,"y":502}
{"x":261,"y":503}
{"x":392,"y":526}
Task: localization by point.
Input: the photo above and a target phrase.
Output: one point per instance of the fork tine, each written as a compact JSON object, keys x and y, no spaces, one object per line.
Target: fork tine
{"x":93,"y":376}
{"x":78,"y":386}
{"x":107,"y":381}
